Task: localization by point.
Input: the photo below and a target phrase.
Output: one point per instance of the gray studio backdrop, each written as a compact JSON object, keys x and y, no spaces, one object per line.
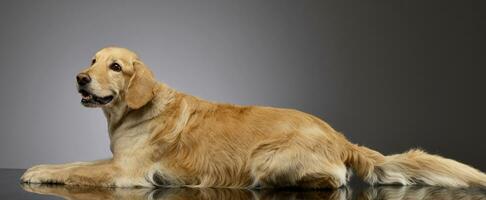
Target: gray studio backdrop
{"x":389,"y":75}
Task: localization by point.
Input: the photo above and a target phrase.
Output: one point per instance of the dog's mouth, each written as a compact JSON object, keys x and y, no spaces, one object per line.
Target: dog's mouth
{"x":91,"y":100}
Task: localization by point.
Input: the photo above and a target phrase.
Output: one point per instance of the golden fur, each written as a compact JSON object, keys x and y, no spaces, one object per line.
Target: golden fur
{"x":162,"y":137}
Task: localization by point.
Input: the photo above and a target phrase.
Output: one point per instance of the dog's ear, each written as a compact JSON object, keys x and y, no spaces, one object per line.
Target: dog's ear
{"x":141,"y":87}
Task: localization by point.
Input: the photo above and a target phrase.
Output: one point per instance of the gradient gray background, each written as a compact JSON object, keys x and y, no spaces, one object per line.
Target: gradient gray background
{"x":389,"y":75}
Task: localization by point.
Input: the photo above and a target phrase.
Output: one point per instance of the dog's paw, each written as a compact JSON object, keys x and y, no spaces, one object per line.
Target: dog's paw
{"x":48,"y":189}
{"x":42,"y":174}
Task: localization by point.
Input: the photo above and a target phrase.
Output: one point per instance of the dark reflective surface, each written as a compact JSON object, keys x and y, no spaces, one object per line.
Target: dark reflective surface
{"x":11,"y":189}
{"x":385,"y":193}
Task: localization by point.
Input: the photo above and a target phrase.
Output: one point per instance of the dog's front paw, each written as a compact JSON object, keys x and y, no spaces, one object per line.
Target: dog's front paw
{"x":42,"y":174}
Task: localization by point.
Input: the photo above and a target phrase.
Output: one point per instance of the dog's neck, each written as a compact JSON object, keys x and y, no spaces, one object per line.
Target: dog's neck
{"x":124,"y":121}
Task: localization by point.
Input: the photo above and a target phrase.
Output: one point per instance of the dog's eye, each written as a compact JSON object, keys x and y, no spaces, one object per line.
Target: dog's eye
{"x":93,"y":61}
{"x":115,"y":67}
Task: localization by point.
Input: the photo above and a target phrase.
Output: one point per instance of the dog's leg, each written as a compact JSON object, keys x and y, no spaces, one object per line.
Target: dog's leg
{"x":65,"y":165}
{"x":289,"y":162}
{"x":98,"y":173}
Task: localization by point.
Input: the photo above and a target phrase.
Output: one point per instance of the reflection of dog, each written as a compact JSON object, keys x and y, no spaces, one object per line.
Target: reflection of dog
{"x":182,"y":193}
{"x":370,"y":193}
{"x":163,"y":137}
{"x":421,"y":193}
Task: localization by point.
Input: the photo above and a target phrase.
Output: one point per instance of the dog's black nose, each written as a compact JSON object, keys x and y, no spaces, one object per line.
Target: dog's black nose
{"x":83,"y":79}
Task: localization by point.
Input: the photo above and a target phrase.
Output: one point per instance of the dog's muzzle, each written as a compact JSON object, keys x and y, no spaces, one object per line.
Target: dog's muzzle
{"x":87,"y":98}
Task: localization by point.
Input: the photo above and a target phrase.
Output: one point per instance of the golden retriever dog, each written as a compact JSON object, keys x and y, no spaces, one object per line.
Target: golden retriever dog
{"x":162,"y":137}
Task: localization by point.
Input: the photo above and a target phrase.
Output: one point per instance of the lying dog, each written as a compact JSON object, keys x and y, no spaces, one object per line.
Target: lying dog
{"x":162,"y":137}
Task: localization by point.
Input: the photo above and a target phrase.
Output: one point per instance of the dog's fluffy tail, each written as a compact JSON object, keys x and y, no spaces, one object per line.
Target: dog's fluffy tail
{"x":412,"y":167}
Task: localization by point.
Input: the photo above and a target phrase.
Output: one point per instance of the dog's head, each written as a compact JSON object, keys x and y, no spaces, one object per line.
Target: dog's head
{"x":116,"y":74}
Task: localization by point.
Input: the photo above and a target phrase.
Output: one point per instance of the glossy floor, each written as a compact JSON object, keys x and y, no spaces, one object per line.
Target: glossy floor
{"x":10,"y":188}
